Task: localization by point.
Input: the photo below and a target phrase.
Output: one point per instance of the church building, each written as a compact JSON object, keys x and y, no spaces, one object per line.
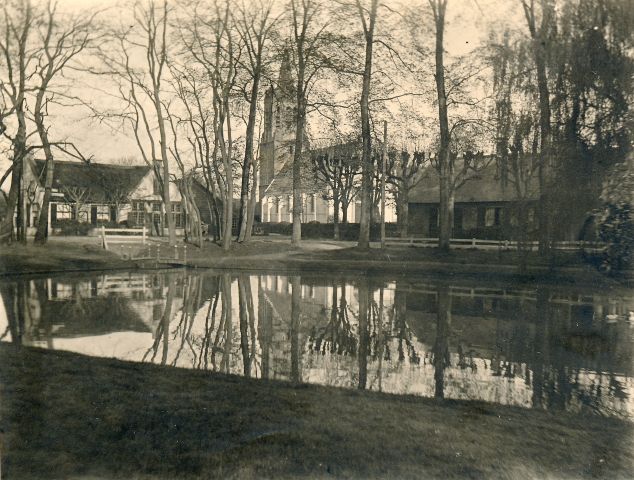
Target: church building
{"x":276,"y":160}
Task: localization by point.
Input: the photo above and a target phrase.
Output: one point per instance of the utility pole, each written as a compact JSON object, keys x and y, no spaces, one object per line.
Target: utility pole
{"x":383,"y":161}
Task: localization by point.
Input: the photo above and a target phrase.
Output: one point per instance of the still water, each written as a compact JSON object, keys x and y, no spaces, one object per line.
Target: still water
{"x":547,"y":347}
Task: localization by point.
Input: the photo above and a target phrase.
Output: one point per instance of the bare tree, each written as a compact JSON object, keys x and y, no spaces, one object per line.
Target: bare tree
{"x":540,"y":30}
{"x":338,"y":167}
{"x":63,"y":39}
{"x":366,"y":134}
{"x":310,"y":40}
{"x":212,"y":42}
{"x":255,"y":25}
{"x":16,"y":30}
{"x":404,"y":173}
{"x":140,"y":86}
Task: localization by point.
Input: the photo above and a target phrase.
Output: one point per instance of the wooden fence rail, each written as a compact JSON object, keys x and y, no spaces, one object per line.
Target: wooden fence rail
{"x":122,"y":235}
{"x":481,"y":244}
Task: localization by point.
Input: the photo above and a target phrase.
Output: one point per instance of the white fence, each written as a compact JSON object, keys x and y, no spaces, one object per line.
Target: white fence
{"x":479,"y":244}
{"x":122,"y":235}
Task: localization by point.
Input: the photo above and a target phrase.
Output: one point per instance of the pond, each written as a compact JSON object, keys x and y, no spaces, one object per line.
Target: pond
{"x":533,"y":346}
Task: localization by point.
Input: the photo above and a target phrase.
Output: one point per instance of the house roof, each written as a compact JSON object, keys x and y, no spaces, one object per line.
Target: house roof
{"x":99,"y":179}
{"x":484,"y":186}
{"x":282,"y":184}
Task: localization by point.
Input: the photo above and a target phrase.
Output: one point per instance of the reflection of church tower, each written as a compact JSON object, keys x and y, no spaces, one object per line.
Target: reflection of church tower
{"x":278,"y":137}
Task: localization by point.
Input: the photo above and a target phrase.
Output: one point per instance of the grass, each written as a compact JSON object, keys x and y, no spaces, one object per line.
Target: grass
{"x":69,"y":416}
{"x":276,"y":253}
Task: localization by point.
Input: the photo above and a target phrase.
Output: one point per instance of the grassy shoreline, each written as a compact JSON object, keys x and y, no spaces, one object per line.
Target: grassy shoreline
{"x":69,"y":254}
{"x":68,"y":416}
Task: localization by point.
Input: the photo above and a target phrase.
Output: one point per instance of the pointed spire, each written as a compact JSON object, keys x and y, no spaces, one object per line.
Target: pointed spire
{"x":286,"y":80}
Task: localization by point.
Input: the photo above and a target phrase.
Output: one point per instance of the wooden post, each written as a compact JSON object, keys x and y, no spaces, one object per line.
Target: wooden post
{"x":103,"y":237}
{"x":185,"y":254}
{"x":384,"y":159}
{"x":143,"y":234}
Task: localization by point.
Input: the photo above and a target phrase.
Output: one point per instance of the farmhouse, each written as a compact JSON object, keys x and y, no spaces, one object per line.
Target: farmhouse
{"x":484,"y":207}
{"x":99,"y":194}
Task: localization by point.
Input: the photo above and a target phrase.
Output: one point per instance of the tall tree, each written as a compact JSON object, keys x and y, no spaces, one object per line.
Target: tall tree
{"x":64,"y":38}
{"x":540,"y":23}
{"x":255,"y":25}
{"x":139,"y":63}
{"x":18,"y":24}
{"x":439,"y":11}
{"x":310,"y":39}
{"x":368,"y":22}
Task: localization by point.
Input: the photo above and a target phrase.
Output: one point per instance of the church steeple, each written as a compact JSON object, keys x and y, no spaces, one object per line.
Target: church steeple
{"x":286,"y":79}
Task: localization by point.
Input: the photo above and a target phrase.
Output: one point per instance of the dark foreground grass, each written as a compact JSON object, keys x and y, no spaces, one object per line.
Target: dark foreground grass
{"x":68,"y":416}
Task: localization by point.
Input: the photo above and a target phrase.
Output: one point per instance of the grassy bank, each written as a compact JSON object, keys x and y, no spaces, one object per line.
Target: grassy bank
{"x":67,"y":416}
{"x":276,"y":253}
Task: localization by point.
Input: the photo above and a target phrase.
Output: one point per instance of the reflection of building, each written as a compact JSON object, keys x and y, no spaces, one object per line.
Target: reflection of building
{"x":45,"y":310}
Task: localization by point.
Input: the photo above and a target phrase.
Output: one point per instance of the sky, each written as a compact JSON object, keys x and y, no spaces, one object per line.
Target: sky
{"x":468,"y":21}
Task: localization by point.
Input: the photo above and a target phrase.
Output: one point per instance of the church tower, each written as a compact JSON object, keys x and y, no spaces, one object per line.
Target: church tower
{"x":278,"y":137}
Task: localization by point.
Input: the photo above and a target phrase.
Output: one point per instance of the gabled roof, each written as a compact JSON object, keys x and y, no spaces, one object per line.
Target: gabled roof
{"x":484,"y":186}
{"x":282,"y":184}
{"x":98,"y":178}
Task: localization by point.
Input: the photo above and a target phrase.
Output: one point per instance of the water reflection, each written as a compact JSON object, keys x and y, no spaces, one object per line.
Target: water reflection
{"x":544,"y":347}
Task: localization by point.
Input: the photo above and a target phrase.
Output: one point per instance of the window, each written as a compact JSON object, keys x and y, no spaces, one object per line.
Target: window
{"x":177,"y":214}
{"x":276,"y":205}
{"x":492,"y":217}
{"x":137,"y":215}
{"x":35,"y":214}
{"x":103,"y":213}
{"x":156,"y":207}
{"x":310,"y":204}
{"x":469,"y":218}
{"x":64,"y":211}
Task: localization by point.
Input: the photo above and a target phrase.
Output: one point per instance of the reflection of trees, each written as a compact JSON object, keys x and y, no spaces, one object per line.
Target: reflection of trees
{"x":162,"y":329}
{"x":336,"y":336}
{"x":364,"y":340}
{"x":296,"y":297}
{"x":402,"y":330}
{"x":440,"y":350}
{"x":247,"y":324}
{"x":13,"y":296}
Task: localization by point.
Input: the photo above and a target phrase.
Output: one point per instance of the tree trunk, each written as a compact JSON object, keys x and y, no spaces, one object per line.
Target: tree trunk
{"x":445,"y":210}
{"x":366,"y":159}
{"x":248,"y":160}
{"x":297,"y":160}
{"x":253,"y":200}
{"x":12,"y":202}
{"x":171,"y":229}
{"x":41,"y":234}
{"x":335,"y":215}
{"x":403,"y":211}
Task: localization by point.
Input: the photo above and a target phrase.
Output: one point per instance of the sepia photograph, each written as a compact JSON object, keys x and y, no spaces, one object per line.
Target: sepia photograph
{"x":316,"y":239}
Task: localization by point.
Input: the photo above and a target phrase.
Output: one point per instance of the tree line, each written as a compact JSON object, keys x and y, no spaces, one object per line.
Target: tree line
{"x":545,"y":97}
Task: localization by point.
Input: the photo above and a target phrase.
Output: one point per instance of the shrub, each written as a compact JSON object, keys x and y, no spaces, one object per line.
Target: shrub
{"x":73,"y":227}
{"x":616,"y":229}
